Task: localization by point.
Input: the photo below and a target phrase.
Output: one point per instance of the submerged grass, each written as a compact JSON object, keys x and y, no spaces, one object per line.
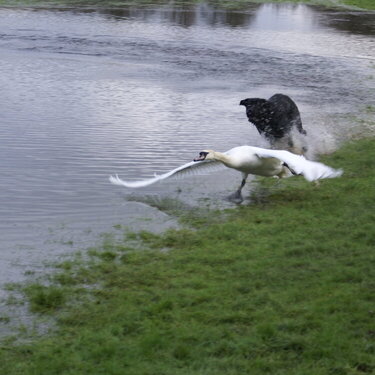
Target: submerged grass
{"x":278,"y":287}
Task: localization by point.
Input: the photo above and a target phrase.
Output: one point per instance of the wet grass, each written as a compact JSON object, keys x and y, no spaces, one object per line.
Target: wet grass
{"x":239,"y":4}
{"x":186,"y":214}
{"x":364,"y":4}
{"x":44,"y":298}
{"x":282,"y":286}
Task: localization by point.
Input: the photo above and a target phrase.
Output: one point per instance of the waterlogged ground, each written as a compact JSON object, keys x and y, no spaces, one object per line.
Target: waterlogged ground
{"x":88,"y":93}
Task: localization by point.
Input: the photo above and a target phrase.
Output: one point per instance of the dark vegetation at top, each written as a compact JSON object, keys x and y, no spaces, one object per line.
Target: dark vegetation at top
{"x":238,"y":4}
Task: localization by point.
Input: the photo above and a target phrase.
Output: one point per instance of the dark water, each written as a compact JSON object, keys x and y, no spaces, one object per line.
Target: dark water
{"x":88,"y":93}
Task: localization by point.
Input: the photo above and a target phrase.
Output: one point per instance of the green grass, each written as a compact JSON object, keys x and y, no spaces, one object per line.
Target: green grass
{"x":360,"y":4}
{"x":364,"y":4}
{"x":283,"y":287}
{"x":44,"y":298}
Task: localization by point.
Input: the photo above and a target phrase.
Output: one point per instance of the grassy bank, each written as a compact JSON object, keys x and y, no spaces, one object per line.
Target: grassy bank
{"x":283,"y":286}
{"x":364,"y":4}
{"x":238,"y":4}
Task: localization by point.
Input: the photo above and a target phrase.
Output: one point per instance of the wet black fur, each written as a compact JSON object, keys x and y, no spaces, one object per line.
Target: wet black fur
{"x":274,"y":118}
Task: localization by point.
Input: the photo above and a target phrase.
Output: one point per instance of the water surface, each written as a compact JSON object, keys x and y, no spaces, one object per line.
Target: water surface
{"x":87,"y":93}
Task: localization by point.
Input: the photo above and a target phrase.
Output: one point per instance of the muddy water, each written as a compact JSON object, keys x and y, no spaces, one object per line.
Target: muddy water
{"x":88,"y":93}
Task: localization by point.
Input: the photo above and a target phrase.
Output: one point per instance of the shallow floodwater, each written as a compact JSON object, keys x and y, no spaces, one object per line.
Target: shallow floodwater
{"x":89,"y":93}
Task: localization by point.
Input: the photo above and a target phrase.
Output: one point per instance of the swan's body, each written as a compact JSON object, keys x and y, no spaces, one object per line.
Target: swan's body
{"x":248,"y":160}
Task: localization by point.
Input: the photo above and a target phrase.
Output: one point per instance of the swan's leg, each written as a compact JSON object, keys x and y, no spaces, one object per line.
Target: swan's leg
{"x":236,"y":197}
{"x":278,"y":179}
{"x":287,"y":166}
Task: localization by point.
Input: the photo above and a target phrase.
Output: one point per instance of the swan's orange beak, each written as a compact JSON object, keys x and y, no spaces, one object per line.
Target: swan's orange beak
{"x":202,"y":156}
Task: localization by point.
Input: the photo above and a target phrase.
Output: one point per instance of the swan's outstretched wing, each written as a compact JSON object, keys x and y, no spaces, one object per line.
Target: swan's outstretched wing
{"x":194,"y":167}
{"x":298,"y":164}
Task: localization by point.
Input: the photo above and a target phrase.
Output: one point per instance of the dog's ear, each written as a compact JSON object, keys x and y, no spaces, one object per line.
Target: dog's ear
{"x":253,"y":102}
{"x":262,"y":106}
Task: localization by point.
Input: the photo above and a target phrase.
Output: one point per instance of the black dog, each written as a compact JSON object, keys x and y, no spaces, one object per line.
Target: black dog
{"x":274,"y":118}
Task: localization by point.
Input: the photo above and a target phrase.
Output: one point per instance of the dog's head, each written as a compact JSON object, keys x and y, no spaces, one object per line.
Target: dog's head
{"x":253,"y":102}
{"x":256,"y":108}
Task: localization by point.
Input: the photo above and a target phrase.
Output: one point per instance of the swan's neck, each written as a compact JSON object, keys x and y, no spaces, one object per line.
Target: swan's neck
{"x":225,"y":159}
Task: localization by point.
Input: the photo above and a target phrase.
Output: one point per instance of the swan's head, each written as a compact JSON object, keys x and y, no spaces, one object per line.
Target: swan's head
{"x":205,"y":155}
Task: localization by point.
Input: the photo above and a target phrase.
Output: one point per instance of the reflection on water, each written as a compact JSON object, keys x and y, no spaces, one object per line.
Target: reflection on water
{"x":198,"y":15}
{"x":275,"y":16}
{"x":86,"y":94}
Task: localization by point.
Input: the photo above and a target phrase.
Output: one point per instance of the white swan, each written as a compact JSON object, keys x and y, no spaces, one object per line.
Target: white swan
{"x":248,"y":160}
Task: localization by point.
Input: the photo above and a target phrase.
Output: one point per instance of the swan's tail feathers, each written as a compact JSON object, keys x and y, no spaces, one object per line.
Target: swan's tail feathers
{"x":316,"y":171}
{"x":337,"y":173}
{"x":299,"y":165}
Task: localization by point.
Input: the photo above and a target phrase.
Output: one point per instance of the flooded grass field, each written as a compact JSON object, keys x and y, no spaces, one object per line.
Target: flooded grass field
{"x":87,"y":93}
